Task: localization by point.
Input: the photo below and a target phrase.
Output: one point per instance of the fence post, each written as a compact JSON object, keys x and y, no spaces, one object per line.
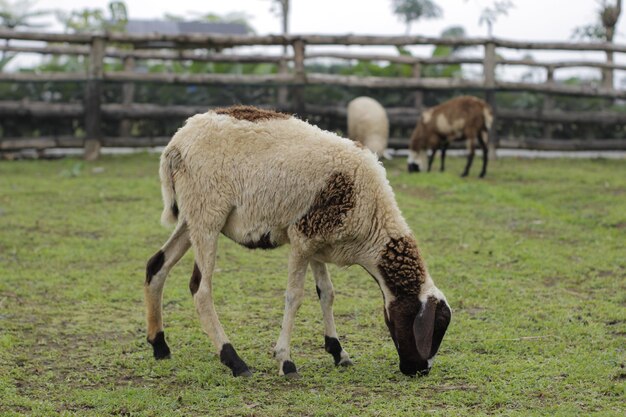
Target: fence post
{"x":300,"y":76}
{"x":489,"y":71}
{"x":128,"y":96}
{"x":282,"y":92}
{"x":419,"y":94}
{"x":607,"y":73}
{"x":93,"y":93}
{"x":548,"y":104}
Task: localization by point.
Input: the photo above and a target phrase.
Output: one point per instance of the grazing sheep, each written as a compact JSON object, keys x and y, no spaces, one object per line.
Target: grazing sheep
{"x":264,"y":179}
{"x":368,"y":124}
{"x":460,"y":118}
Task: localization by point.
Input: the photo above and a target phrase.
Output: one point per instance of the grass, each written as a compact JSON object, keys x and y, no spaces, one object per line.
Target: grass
{"x":532,"y":259}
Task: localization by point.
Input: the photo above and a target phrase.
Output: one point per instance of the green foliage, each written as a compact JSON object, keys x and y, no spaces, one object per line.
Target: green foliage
{"x":530,"y":259}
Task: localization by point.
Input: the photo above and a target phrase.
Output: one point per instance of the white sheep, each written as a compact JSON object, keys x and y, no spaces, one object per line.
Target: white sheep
{"x":264,"y":179}
{"x":461,"y":118}
{"x":368,"y":124}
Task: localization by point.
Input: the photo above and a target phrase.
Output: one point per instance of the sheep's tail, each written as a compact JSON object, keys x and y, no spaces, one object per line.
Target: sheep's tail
{"x":171,"y":162}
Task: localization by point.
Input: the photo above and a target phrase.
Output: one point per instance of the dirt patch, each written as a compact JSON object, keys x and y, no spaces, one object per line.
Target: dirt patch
{"x":423,"y":193}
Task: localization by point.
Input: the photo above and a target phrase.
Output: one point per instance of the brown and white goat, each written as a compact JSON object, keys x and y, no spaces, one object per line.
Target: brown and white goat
{"x":463,"y":117}
{"x":264,"y":179}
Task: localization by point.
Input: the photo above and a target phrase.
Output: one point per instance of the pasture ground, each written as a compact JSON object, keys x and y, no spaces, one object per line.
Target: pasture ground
{"x":532,"y":260}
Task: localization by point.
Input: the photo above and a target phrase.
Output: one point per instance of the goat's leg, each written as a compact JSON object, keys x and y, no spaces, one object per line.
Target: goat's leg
{"x":293,"y":300}
{"x":156,"y":272}
{"x":205,"y":247}
{"x":483,"y":145}
{"x":326,"y":294}
{"x":470,"y":157}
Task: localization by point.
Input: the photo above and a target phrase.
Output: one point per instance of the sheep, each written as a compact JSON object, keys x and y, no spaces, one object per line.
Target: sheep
{"x":368,"y":124}
{"x":463,"y":117}
{"x":264,"y":179}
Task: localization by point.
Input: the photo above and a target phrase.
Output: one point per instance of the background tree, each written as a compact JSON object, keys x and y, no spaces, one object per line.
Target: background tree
{"x":410,"y":11}
{"x":94,"y":20}
{"x":281,"y":9}
{"x":490,"y":14}
{"x":604,"y":30}
{"x":18,"y":15}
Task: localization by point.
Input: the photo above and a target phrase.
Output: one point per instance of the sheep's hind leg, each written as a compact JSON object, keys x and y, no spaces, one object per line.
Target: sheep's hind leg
{"x":483,"y":145}
{"x":326,"y":294}
{"x":156,"y":272}
{"x":293,"y":300}
{"x":201,"y":288}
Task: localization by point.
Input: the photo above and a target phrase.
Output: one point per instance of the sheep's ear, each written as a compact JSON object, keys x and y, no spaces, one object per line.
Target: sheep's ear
{"x":430,"y":326}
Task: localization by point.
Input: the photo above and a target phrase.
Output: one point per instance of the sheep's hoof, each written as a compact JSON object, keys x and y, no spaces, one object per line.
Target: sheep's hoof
{"x":162,"y":356}
{"x":289,"y":370}
{"x":246,"y":374}
{"x":159,"y":347}
{"x":345,"y":362}
{"x":463,"y":175}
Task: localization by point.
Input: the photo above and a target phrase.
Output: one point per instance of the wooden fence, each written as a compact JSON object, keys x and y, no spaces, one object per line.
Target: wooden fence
{"x":291,"y":80}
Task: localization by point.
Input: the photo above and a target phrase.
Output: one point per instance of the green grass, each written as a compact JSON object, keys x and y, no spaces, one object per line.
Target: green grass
{"x":532,"y":260}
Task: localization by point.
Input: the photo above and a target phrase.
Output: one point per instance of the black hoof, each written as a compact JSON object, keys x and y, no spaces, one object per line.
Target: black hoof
{"x":229,"y":357}
{"x":159,"y":347}
{"x":245,"y":374}
{"x":463,"y":175}
{"x":346,"y":363}
{"x":413,"y":167}
{"x":289,"y":369}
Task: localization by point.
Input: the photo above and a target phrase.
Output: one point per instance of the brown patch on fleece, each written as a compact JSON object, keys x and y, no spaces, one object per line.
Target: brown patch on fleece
{"x":402,"y":267}
{"x":330,"y":207}
{"x":251,"y":113}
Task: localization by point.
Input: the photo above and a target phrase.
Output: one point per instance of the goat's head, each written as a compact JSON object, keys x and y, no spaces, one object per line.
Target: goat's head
{"x":417,"y":326}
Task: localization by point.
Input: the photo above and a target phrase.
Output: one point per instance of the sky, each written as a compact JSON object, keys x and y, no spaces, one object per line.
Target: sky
{"x":530,"y":19}
{"x":538,"y":20}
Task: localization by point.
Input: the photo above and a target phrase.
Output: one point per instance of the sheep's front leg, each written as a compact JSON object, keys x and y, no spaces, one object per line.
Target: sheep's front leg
{"x":293,"y":300}
{"x":444,"y":148}
{"x":202,"y":290}
{"x":326,"y":294}
{"x":431,"y":158}
{"x":156,"y":272}
{"x":470,"y":157}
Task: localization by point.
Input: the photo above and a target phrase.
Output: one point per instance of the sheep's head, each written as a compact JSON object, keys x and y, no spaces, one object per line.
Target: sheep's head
{"x":416,"y":312}
{"x":417,"y":328}
{"x":417,"y":148}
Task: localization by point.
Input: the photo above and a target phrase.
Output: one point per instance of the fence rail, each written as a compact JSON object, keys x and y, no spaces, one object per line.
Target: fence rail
{"x":291,"y":78}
